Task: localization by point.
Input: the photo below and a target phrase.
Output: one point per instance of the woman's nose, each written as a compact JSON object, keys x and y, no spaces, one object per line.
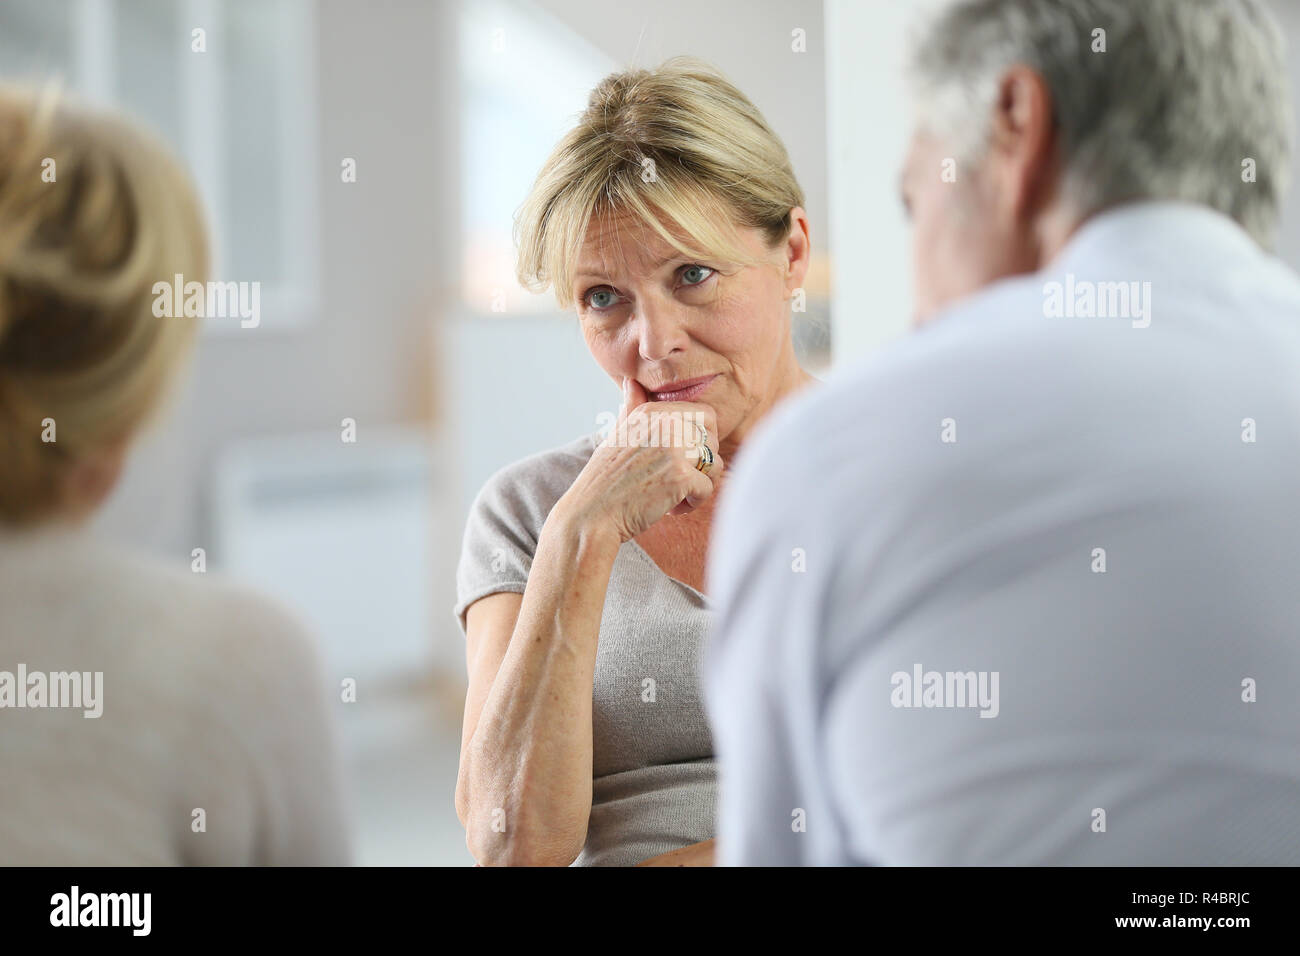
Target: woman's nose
{"x":661,"y":330}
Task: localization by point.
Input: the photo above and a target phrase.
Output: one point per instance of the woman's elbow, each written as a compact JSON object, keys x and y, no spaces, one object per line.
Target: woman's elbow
{"x":494,"y":839}
{"x":515,"y":825}
{"x":491,"y":845}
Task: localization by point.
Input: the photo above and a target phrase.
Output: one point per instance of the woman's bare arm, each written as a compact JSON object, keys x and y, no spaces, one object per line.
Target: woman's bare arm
{"x":697,"y":854}
{"x":525,"y":781}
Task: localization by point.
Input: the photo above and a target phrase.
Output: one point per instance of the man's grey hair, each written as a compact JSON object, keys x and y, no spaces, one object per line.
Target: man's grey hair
{"x":1189,"y":100}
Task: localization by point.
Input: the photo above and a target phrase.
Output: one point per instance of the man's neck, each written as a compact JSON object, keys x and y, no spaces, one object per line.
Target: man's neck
{"x":1055,"y":230}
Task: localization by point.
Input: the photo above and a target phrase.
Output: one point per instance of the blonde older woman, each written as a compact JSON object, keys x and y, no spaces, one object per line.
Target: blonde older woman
{"x":148,"y":715}
{"x":671,"y":221}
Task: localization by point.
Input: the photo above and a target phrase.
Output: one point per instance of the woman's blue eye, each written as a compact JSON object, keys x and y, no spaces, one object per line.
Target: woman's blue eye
{"x":596,"y":305}
{"x":689,"y":269}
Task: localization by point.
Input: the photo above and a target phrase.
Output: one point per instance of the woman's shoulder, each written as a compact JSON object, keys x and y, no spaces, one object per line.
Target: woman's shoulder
{"x":526,"y":489}
{"x":233,"y":620}
{"x":121,"y":598}
{"x":561,"y":461}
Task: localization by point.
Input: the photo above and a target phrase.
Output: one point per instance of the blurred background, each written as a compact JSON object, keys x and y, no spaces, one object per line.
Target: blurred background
{"x":363,"y":162}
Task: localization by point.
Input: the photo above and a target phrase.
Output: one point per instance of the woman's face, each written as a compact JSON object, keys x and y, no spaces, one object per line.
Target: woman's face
{"x":651,"y":314}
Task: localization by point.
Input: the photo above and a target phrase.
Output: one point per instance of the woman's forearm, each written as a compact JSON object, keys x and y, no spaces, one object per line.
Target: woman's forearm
{"x":697,"y":854}
{"x":529,"y":770}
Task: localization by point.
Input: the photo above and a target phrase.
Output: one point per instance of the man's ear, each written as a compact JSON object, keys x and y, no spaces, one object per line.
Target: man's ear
{"x":1024,"y":142}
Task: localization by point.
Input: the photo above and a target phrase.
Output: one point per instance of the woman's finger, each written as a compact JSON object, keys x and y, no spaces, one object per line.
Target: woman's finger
{"x":634,"y":396}
{"x":704,"y":487}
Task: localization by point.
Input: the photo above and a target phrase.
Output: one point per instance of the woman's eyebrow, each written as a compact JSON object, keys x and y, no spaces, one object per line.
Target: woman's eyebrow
{"x":588,"y":273}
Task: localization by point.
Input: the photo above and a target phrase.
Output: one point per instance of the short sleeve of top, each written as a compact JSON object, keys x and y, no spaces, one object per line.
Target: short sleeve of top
{"x":506,"y":519}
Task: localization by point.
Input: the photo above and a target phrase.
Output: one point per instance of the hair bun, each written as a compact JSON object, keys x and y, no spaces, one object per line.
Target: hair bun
{"x":79,"y":342}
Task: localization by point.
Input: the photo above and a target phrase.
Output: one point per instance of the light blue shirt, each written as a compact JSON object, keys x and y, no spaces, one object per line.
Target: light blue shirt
{"x":1024,"y":587}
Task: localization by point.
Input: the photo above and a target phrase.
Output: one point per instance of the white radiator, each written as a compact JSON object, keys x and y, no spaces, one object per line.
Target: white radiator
{"x":342,"y":533}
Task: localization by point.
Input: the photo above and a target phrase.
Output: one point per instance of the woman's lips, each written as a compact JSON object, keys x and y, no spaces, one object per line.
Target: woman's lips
{"x":684,"y":393}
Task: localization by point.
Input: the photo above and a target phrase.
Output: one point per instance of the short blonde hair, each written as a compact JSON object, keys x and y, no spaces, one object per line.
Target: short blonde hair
{"x":677,"y":145}
{"x":93,"y":212}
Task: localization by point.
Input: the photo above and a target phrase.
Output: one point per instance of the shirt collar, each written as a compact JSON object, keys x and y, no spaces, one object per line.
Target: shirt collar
{"x":1137,"y":233}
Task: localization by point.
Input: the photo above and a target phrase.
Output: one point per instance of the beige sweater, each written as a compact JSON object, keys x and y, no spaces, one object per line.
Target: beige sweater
{"x":214,"y":744}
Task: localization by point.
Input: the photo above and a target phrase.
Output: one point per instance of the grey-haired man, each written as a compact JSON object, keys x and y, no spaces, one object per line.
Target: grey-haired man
{"x":1028,"y":591}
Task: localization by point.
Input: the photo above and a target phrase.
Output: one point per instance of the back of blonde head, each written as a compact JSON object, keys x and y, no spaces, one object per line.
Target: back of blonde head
{"x":93,"y":212}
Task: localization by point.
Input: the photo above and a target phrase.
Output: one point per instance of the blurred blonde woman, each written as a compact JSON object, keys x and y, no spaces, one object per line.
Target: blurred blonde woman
{"x":671,"y":221}
{"x":148,"y":715}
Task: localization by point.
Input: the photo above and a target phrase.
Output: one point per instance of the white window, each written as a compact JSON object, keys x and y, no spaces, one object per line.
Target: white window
{"x":525,"y":79}
{"x":241,"y":114}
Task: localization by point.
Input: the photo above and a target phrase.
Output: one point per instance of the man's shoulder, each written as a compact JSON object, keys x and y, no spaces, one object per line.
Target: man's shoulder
{"x":1004,"y":316}
{"x":883,"y":387}
{"x":888,"y":422}
{"x":999,"y":373}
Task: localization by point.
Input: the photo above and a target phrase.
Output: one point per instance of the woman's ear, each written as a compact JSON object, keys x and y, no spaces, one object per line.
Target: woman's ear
{"x":798,"y":251}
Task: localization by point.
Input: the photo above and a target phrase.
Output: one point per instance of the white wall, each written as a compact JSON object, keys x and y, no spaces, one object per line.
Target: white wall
{"x":390,"y":265}
{"x":868,"y":123}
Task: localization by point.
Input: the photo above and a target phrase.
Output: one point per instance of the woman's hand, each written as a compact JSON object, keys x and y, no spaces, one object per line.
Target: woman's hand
{"x":697,"y":854}
{"x":645,"y":469}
